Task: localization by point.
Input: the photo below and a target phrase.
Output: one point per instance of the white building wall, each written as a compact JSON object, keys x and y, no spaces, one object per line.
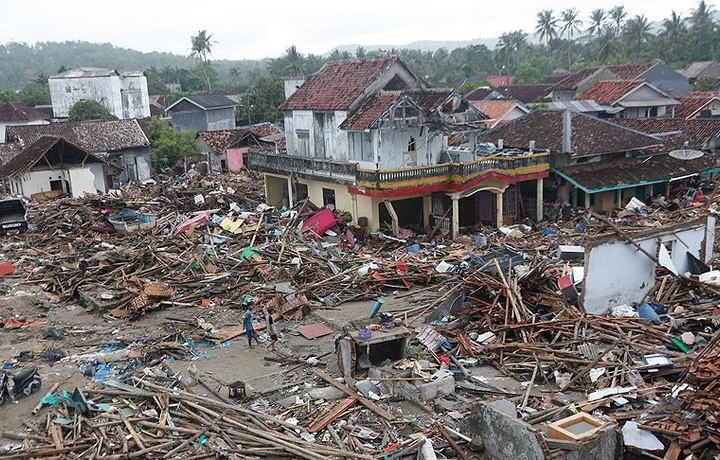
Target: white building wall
{"x":393,"y":148}
{"x":98,"y":173}
{"x":111,"y":91}
{"x":617,"y":273}
{"x":134,"y":101}
{"x":81,"y":180}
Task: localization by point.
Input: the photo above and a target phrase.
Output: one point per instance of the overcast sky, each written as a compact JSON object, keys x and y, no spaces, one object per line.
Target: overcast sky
{"x":253,"y":29}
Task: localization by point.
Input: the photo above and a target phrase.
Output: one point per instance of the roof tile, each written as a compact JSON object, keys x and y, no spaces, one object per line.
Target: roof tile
{"x":338,"y":84}
{"x":608,"y":92}
{"x":589,"y":135}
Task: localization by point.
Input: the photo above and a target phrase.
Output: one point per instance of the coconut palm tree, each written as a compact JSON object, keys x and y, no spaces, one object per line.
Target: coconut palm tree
{"x":571,"y":24}
{"x":637,"y":30}
{"x":295,"y":61}
{"x":703,"y":14}
{"x":546,"y":27}
{"x":597,"y":20}
{"x":673,"y":28}
{"x":201,"y":49}
{"x":618,"y":15}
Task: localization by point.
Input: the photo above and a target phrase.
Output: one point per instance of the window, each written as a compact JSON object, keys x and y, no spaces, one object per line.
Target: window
{"x":301,"y":193}
{"x":411,"y":144}
{"x":303,"y":142}
{"x":328,"y":196}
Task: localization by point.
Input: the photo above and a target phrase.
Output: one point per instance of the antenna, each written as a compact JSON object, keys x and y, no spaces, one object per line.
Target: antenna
{"x":686,"y":154}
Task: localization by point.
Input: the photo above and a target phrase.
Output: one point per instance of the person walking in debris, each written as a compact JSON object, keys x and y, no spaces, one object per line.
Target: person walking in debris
{"x":272,"y":331}
{"x":249,"y":327}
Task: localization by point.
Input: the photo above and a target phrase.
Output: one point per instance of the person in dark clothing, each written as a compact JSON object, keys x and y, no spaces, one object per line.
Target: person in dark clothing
{"x":249,"y":327}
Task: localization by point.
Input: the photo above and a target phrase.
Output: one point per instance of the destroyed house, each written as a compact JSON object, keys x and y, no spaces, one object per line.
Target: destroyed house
{"x":227,"y":149}
{"x":121,"y":142}
{"x":369,"y":136}
{"x":53,"y":164}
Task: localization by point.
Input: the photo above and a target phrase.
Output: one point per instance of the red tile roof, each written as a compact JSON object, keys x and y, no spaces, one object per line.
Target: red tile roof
{"x":691,"y":105}
{"x":479,"y":94}
{"x":94,"y":136}
{"x":496,"y":110}
{"x":14,"y":111}
{"x":31,"y":154}
{"x":630,"y":71}
{"x":372,"y":109}
{"x":571,"y":82}
{"x":526,"y":93}
{"x":499,"y":80}
{"x":695,"y":131}
{"x":378,"y":104}
{"x":8,"y":151}
{"x":608,"y":92}
{"x":338,"y":84}
{"x":589,"y":135}
{"x":223,"y":139}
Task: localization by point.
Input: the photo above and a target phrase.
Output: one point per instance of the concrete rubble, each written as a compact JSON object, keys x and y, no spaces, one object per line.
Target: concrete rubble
{"x":588,"y":336}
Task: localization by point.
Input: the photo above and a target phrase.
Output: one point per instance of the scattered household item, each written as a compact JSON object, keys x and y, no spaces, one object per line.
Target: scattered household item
{"x":575,"y":427}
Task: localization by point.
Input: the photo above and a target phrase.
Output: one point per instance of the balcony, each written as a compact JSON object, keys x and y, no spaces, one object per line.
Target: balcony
{"x":451,"y":176}
{"x":284,"y":164}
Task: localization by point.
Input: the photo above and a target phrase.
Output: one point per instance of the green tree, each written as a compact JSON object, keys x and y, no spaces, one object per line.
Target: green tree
{"x":169,"y":146}
{"x":637,"y":31}
{"x":617,"y":15}
{"x":672,"y":33}
{"x":201,"y":50}
{"x":8,"y":95}
{"x":707,"y":84}
{"x":571,"y":24}
{"x":546,"y":27}
{"x":597,"y":22}
{"x":89,"y":110}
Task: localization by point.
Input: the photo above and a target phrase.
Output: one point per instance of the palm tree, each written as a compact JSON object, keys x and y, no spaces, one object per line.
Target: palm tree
{"x":606,"y":44}
{"x":673,"y":27}
{"x":546,"y":28}
{"x":701,"y":15}
{"x":202,"y":48}
{"x":597,"y":20}
{"x":360,"y":52}
{"x":505,"y":47}
{"x":571,"y":24}
{"x":618,"y":15}
{"x":295,"y":61}
{"x":637,"y":31}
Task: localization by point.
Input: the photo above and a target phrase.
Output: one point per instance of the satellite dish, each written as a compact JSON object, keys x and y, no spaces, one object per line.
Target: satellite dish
{"x":686,"y":154}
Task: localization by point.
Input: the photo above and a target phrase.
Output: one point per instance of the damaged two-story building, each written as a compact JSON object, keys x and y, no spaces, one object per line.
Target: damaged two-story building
{"x":370,"y":137}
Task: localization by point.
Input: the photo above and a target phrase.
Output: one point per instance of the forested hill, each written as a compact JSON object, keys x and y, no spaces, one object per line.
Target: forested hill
{"x":21,"y":62}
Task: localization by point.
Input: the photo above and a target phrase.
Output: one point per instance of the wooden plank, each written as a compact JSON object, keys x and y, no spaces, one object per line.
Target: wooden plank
{"x":349,"y":391}
{"x":333,"y":414}
{"x":673,"y":451}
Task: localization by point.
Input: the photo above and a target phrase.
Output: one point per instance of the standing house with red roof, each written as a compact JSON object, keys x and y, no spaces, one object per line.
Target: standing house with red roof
{"x":657,"y":74}
{"x":369,"y":136}
{"x":630,"y":99}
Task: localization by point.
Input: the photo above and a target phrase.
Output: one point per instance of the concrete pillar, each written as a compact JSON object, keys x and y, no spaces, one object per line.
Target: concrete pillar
{"x":539,"y":200}
{"x":267,"y":186}
{"x":427,"y":211}
{"x":619,"y":199}
{"x":455,"y":215}
{"x":353,"y":201}
{"x":499,"y":206}
{"x":291,"y":197}
{"x":587,"y":200}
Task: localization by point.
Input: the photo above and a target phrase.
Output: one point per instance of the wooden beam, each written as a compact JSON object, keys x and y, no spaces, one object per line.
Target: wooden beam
{"x":349,"y":391}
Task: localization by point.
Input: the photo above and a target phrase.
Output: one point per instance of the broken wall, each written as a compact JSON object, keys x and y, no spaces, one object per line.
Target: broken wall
{"x":617,"y":273}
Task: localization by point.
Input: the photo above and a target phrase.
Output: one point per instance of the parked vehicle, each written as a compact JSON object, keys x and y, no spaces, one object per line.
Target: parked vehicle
{"x":13,"y":216}
{"x":24,"y":383}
